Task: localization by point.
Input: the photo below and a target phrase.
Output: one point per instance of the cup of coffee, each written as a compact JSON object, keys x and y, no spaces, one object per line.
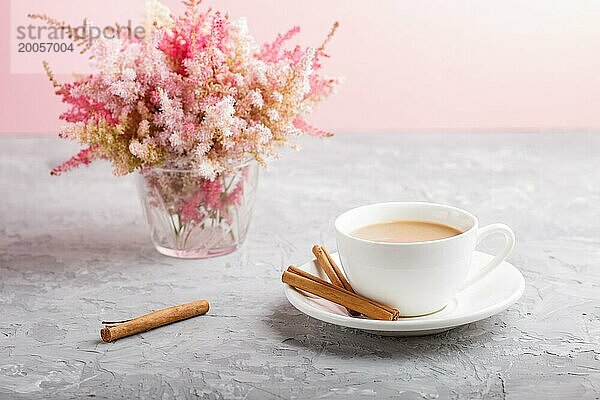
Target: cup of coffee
{"x":413,"y":256}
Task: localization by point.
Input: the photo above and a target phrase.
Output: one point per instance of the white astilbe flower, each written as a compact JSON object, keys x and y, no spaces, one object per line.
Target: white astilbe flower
{"x":221,"y":118}
{"x":277,"y":96}
{"x":261,"y":132}
{"x":244,"y":44}
{"x":207,"y":168}
{"x":157,"y":15}
{"x":273,"y":115}
{"x":256,"y":98}
{"x":171,"y":117}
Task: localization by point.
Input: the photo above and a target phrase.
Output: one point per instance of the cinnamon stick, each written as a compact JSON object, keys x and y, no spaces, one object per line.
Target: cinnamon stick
{"x":154,"y":320}
{"x":333,"y":272}
{"x":312,"y":284}
{"x":330,"y":268}
{"x":389,"y":309}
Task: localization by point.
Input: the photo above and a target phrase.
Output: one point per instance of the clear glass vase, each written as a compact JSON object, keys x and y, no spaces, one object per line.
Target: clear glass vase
{"x":192,"y":217}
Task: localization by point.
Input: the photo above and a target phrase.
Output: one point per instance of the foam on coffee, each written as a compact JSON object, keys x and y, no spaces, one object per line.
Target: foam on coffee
{"x":405,"y":231}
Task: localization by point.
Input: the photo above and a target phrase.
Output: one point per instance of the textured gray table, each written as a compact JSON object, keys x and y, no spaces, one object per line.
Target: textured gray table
{"x":74,"y":250}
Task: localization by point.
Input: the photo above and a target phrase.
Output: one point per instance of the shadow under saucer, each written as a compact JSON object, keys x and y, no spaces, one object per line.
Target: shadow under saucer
{"x":299,"y":330}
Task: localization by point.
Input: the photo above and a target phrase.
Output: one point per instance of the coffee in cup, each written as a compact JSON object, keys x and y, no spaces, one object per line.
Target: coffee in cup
{"x":423,"y":262}
{"x":405,"y":231}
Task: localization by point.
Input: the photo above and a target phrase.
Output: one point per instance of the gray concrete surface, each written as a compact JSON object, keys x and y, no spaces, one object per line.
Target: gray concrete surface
{"x":74,"y":250}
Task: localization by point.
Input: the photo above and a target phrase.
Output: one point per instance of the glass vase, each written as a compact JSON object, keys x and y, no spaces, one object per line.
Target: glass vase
{"x":193,"y":217}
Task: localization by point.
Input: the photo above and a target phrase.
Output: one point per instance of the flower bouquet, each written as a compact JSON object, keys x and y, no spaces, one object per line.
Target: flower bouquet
{"x":194,"y":106}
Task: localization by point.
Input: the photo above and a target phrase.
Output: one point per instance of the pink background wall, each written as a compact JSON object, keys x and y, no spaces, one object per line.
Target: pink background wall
{"x":424,"y":65}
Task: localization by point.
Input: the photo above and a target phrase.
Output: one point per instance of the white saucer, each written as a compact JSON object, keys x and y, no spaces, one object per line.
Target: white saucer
{"x":494,"y":293}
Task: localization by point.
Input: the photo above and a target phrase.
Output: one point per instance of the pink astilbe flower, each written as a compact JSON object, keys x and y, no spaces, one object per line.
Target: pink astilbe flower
{"x":235,"y":196}
{"x":83,"y":107}
{"x":272,"y":52}
{"x":189,"y":210}
{"x":197,"y":92}
{"x":213,"y":190}
{"x":207,"y":198}
{"x":84,"y":157}
{"x":311,"y":130}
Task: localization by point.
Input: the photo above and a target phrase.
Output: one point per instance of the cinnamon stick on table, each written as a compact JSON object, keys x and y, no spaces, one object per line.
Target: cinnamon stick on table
{"x":312,"y":284}
{"x":332,"y":271}
{"x":154,"y":320}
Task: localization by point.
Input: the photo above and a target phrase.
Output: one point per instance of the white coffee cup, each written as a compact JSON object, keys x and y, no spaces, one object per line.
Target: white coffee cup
{"x":417,"y":278}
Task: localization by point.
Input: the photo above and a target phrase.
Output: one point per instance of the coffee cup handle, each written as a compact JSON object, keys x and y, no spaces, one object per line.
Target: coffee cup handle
{"x":483,"y":233}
